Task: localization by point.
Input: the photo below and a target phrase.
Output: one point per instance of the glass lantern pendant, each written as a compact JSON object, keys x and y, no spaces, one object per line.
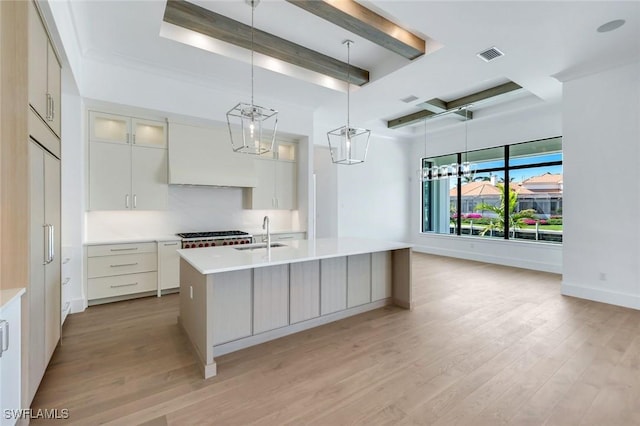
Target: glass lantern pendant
{"x":257,"y":124}
{"x":348,"y":145}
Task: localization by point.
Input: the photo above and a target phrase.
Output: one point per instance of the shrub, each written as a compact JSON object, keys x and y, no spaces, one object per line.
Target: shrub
{"x":474,"y":216}
{"x":555,"y":221}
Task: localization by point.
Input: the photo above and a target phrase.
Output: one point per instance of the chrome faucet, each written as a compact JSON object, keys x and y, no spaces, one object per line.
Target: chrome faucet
{"x":265,"y":225}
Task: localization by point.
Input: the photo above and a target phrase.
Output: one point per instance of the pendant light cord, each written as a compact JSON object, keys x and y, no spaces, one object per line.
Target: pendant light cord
{"x":348,"y":82}
{"x":253,"y":8}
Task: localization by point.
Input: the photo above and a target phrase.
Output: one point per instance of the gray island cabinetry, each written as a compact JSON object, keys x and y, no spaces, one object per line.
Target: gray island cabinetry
{"x":231,"y":299}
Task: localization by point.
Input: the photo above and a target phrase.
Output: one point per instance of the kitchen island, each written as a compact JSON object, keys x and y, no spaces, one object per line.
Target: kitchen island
{"x":235,"y":297}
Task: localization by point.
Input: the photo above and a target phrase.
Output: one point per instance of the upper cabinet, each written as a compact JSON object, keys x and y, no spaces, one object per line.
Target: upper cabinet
{"x":120,"y":129}
{"x":44,"y":73}
{"x":202,"y":155}
{"x":277,"y":185}
{"x":127,"y":163}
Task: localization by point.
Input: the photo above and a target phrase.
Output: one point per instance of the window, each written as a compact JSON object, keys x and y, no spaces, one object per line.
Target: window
{"x":528,"y":208}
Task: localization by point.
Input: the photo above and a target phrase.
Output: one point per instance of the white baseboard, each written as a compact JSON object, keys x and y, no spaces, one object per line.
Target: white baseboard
{"x":78,"y":305}
{"x":599,"y":295}
{"x":489,"y":258}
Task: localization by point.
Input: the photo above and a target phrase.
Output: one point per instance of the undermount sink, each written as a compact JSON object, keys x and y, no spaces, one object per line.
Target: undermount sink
{"x":259,"y":246}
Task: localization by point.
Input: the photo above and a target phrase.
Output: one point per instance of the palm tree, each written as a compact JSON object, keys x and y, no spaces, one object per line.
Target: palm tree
{"x":499,"y":211}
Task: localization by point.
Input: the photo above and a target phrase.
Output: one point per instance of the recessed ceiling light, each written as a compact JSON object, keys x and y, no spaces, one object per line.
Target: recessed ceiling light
{"x":611,"y":25}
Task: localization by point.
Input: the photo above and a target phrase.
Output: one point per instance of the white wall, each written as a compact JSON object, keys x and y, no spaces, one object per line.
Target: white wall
{"x":326,"y":193}
{"x":373,"y":197}
{"x":601,"y":177}
{"x":517,"y":122}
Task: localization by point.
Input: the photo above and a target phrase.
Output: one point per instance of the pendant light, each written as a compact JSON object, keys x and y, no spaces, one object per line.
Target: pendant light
{"x":348,"y":145}
{"x":467,"y":169}
{"x":251,"y":118}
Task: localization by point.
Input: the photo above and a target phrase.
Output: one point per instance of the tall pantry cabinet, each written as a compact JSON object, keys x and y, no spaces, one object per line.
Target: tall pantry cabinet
{"x":43,"y":328}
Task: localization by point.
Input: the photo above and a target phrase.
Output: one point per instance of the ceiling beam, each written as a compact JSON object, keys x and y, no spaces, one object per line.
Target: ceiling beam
{"x":207,"y":22}
{"x":367,"y":24}
{"x":439,"y":107}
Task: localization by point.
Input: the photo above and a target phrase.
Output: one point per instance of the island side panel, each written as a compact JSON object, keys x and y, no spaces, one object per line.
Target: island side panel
{"x":193,"y":314}
{"x":231,"y":304}
{"x":402,"y":278}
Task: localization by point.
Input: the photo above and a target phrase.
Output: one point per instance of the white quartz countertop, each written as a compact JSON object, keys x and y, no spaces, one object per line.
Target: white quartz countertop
{"x":131,"y":239}
{"x":9,"y":295}
{"x":211,"y":260}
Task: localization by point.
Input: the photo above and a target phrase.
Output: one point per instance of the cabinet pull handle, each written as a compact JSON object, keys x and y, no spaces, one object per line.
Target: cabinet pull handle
{"x":123,"y":285}
{"x":135,"y":201}
{"x":134,"y":138}
{"x":286,"y":237}
{"x":124,"y":264}
{"x":126,"y":201}
{"x":127,"y":137}
{"x":48,"y":116}
{"x":170,"y":244}
{"x":66,"y":281}
{"x":52,"y":242}
{"x":125,"y":249}
{"x":5,"y":336}
{"x":53,"y":109}
{"x":47,"y":235}
{"x":2,"y":349}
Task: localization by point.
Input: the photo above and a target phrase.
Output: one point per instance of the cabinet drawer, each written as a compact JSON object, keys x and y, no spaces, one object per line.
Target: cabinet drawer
{"x":105,"y":266}
{"x":119,"y":249}
{"x":99,"y":288}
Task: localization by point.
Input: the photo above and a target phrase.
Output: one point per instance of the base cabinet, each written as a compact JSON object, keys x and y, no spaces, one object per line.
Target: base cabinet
{"x":270,"y":298}
{"x":358,"y":280}
{"x":381,"y":275}
{"x":118,"y":271}
{"x":333,"y":285}
{"x":168,"y":265}
{"x":304,"y":299}
{"x":10,"y":360}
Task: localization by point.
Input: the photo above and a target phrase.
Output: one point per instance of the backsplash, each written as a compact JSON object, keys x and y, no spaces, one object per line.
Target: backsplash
{"x":191,"y":209}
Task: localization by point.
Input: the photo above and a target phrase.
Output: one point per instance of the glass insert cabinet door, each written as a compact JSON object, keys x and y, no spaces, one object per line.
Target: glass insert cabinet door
{"x":109,"y":128}
{"x":149,"y":133}
{"x":113,"y":128}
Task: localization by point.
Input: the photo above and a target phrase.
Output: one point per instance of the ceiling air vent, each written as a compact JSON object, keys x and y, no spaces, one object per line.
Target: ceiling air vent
{"x":490,"y":54}
{"x":409,"y":99}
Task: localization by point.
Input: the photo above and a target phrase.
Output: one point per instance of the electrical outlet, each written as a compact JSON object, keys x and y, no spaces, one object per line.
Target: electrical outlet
{"x":191,"y":292}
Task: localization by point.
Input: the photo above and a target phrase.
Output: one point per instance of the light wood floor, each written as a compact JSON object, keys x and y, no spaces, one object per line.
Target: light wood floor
{"x":485,"y":345}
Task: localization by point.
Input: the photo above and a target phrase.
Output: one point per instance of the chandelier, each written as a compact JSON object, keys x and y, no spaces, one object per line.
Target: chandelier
{"x":254,"y":138}
{"x":348,"y":145}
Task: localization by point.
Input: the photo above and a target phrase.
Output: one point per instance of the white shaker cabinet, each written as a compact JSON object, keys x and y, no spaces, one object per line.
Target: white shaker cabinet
{"x":44,"y":291}
{"x":44,"y":73}
{"x":270,"y":298}
{"x":304,"y":291}
{"x":127,"y":163}
{"x":276,"y":188}
{"x":10,"y":356}
{"x":168,"y":265}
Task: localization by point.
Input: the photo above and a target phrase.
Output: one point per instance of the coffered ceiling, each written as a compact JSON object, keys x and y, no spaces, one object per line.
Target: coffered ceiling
{"x":541,"y":40}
